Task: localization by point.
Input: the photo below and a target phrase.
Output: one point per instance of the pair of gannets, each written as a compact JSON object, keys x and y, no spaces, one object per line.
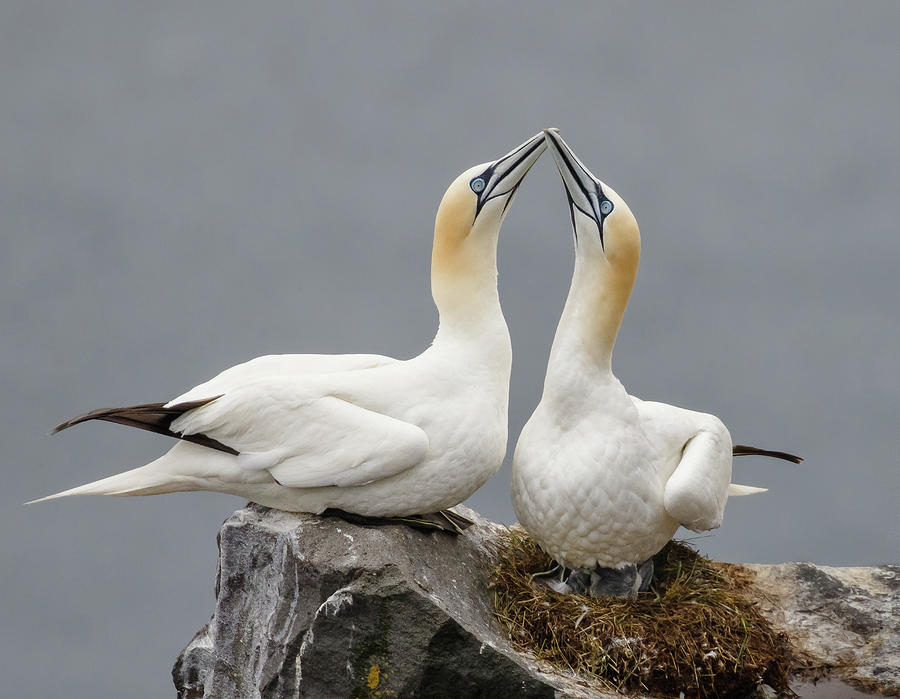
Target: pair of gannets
{"x":601,"y":479}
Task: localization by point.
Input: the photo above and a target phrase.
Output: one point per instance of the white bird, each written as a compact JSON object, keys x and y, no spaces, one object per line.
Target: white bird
{"x":365,"y":434}
{"x":601,"y":479}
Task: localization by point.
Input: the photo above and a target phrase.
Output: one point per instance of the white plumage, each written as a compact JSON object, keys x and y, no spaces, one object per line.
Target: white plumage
{"x":601,"y":478}
{"x":364,"y":433}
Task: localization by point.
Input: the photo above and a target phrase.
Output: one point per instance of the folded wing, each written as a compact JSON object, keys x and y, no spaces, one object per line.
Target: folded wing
{"x":696,"y":492}
{"x":281,"y":366}
{"x":307,"y":440}
{"x":698,"y":487}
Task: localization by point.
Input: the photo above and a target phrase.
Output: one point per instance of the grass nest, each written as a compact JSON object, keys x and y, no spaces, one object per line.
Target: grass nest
{"x":695,"y":631}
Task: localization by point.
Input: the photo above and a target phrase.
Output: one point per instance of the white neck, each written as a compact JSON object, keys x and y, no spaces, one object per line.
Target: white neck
{"x":464,"y":287}
{"x":473,"y":326}
{"x":590,"y":321}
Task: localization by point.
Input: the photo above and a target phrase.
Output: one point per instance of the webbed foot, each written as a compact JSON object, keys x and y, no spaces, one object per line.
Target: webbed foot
{"x":627,"y":581}
{"x":444,"y":520}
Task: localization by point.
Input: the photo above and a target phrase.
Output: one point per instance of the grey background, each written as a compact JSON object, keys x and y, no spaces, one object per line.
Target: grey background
{"x":184,"y":186}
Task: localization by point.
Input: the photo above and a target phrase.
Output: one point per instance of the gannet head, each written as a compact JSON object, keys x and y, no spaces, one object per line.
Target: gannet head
{"x":602,"y":223}
{"x":468,"y":222}
{"x":479,"y":198}
{"x":607,"y":253}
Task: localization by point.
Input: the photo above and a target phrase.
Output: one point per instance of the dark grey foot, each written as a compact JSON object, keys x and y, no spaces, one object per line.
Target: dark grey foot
{"x":445,"y":520}
{"x":606,"y":582}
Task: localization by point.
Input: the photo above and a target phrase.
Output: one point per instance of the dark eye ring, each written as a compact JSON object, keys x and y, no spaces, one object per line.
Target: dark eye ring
{"x":477,"y":185}
{"x":606,"y":207}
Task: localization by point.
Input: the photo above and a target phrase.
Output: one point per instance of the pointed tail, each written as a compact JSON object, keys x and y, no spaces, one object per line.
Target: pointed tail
{"x":744,"y":450}
{"x":152,"y":479}
{"x":735,"y":490}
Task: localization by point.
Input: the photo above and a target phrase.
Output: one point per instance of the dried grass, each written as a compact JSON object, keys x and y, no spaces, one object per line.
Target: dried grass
{"x":695,"y":631}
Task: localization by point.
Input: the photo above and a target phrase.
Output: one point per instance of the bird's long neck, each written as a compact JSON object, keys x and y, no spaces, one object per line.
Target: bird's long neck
{"x":464,"y":287}
{"x":590,"y":321}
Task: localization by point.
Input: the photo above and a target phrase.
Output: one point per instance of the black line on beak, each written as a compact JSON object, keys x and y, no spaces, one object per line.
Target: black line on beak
{"x":596,"y":216}
{"x":483,"y":198}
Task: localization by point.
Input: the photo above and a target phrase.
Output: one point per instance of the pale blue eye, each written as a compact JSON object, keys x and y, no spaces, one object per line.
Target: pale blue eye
{"x":477,"y":185}
{"x":606,"y":207}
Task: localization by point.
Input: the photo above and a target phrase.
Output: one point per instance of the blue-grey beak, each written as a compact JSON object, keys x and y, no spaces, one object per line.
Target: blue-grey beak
{"x":504,"y":175}
{"x":584,"y":191}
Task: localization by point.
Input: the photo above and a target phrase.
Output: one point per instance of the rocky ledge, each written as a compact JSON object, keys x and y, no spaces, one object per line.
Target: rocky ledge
{"x":318,"y":607}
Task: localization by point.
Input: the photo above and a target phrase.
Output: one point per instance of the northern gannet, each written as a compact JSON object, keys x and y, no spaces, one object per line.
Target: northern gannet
{"x":366,"y":434}
{"x":601,"y":479}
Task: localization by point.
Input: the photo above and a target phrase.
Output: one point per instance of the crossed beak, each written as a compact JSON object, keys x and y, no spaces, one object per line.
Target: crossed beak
{"x":505,"y":174}
{"x":583,"y":190}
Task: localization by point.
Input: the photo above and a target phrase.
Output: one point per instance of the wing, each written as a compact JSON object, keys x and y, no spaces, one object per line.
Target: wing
{"x":305,"y":438}
{"x":700,"y":447}
{"x":696,"y":492}
{"x":158,"y":417}
{"x":280,"y":365}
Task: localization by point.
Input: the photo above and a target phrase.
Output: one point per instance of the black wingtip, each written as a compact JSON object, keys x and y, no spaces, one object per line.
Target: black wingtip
{"x":152,"y":417}
{"x":744,"y":450}
{"x":77,"y":420}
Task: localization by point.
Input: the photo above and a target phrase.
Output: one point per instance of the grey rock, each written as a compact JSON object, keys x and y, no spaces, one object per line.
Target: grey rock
{"x":312,"y":606}
{"x":848,"y":618}
{"x":309,"y":606}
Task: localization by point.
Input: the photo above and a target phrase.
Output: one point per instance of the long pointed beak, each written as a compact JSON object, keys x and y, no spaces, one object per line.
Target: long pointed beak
{"x":582,"y":188}
{"x":505,"y":175}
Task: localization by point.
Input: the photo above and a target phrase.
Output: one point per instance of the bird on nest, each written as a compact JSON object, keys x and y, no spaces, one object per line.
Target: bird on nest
{"x":601,"y":479}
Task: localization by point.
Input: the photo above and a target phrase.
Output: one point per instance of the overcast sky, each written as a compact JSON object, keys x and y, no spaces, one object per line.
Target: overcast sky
{"x":184,"y":186}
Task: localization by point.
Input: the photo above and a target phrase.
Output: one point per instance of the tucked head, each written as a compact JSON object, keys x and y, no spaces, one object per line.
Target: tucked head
{"x":601,"y":220}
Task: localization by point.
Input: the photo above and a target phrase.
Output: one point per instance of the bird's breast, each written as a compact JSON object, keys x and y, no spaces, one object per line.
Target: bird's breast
{"x":590,"y":491}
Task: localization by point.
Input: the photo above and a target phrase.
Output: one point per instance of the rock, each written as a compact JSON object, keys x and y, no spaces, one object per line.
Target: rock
{"x":848,"y":618}
{"x":317,"y":607}
{"x":312,"y":606}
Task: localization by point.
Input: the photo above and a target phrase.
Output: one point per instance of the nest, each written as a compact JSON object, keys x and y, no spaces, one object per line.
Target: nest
{"x":695,"y":631}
